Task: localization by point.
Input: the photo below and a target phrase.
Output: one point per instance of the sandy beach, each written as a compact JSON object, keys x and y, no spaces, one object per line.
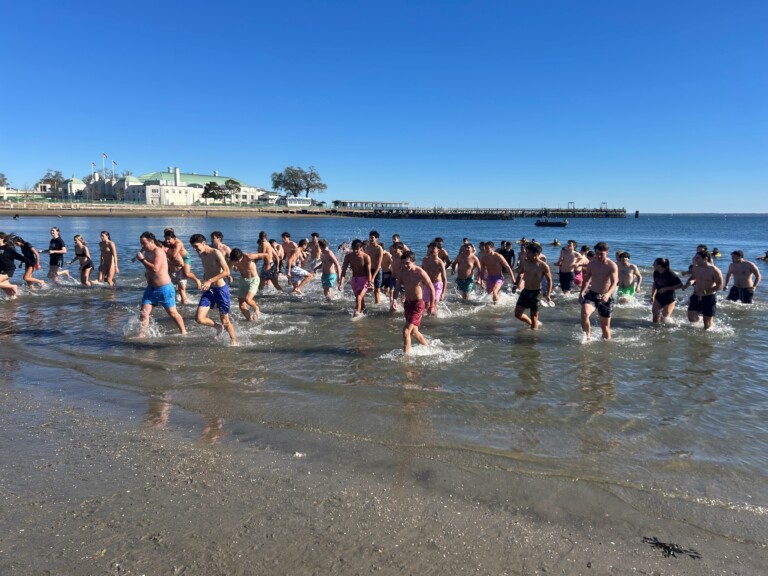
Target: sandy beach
{"x":86,"y":493}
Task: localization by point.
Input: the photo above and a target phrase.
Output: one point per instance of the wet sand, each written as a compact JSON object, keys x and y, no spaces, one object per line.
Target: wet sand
{"x":89,"y":491}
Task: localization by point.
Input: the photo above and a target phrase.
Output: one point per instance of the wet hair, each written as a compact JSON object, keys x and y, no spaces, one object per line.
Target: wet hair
{"x":534,"y":248}
{"x":663,"y":262}
{"x":408,"y":255}
{"x":739,"y":253}
{"x":465,"y":240}
{"x":590,"y":254}
{"x":395,"y":235}
{"x":106,"y":234}
{"x":601,"y":247}
{"x":262,"y":235}
{"x":235,"y":255}
{"x":285,"y":235}
{"x":704,"y":255}
{"x":356,"y":244}
{"x":149,"y":236}
{"x":438,"y":239}
{"x":315,"y":235}
{"x":20,"y":241}
{"x":489,"y":243}
{"x":584,"y":248}
{"x":399,"y":246}
{"x":322,"y":243}
{"x":169,"y":233}
{"x":374,"y":234}
{"x":430,"y":246}
{"x":197,"y":239}
{"x":82,"y":240}
{"x":622,"y":254}
{"x":55,"y":228}
{"x":702,"y":247}
{"x":303,"y":242}
{"x":217,"y":234}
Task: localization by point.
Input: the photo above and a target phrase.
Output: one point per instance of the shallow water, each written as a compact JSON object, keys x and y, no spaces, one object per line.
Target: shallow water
{"x":667,"y":416}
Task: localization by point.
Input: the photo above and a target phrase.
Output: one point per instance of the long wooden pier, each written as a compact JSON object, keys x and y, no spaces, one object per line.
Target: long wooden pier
{"x":479,"y":213}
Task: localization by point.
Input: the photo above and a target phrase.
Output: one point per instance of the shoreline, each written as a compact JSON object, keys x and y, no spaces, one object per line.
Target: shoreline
{"x":113,"y":492}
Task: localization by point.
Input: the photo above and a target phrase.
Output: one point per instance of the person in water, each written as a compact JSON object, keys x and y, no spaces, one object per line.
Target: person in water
{"x":108,"y":267}
{"x":533,"y":271}
{"x":707,"y":281}
{"x":742,"y":272}
{"x":83,"y":256}
{"x":601,"y":276}
{"x":414,"y":280}
{"x":215,"y":289}
{"x":665,"y":282}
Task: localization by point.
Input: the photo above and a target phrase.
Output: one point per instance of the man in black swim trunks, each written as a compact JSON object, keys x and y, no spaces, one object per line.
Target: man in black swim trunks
{"x":742,"y":272}
{"x":601,"y":276}
{"x":707,"y":280}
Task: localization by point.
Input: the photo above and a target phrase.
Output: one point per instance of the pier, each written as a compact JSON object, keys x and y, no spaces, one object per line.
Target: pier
{"x":479,"y":213}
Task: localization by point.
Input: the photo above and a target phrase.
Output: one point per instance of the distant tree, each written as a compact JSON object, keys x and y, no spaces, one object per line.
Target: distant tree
{"x":53,"y":179}
{"x":313,"y":182}
{"x":126,"y":173}
{"x":3,"y":180}
{"x":214,"y":191}
{"x":289,"y":180}
{"x":232,"y":187}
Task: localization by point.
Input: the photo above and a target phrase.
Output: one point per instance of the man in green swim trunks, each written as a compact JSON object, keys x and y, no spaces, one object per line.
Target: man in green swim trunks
{"x":248,"y":285}
{"x":467,"y":267}
{"x":630,"y":278}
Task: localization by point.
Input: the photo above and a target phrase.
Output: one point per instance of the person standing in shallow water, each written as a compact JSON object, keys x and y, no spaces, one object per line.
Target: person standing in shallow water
{"x":160,"y":290}
{"x":707,"y":281}
{"x":665,"y":282}
{"x":56,"y":249}
{"x":108,"y":267}
{"x":215,"y":289}
{"x":362,"y":279}
{"x":414,"y":279}
{"x":601,"y":276}
{"x":532,"y":272}
{"x":742,"y":271}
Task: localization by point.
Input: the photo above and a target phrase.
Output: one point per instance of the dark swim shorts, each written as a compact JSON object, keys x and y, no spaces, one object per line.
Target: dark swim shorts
{"x":741,"y":295}
{"x":414,"y":310}
{"x":707,"y":305}
{"x":604,"y":308}
{"x":529,"y":299}
{"x":566,"y":281}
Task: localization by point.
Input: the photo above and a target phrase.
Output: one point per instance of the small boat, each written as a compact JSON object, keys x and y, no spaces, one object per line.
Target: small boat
{"x":552,"y":223}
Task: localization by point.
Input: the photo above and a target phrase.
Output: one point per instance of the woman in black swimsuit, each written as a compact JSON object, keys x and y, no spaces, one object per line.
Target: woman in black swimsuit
{"x":83,"y":256}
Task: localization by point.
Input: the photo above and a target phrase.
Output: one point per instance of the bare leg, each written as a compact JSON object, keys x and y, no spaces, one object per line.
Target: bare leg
{"x":229,"y":327}
{"x":605,"y":326}
{"x":176,"y":317}
{"x":586,"y":312}
{"x":521,"y":315}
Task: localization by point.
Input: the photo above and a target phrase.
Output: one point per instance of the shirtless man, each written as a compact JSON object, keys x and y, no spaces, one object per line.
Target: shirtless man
{"x":376,"y":253}
{"x":289,"y":247}
{"x":743,"y":288}
{"x":568,"y":264}
{"x":328,"y":263}
{"x":215,"y":290}
{"x":396,"y":240}
{"x":314,"y":250}
{"x":386,"y":273}
{"x":630,"y":278}
{"x":442,"y":252}
{"x":269,"y":268}
{"x":160,"y":291}
{"x":360,"y":263}
{"x":217,"y":242}
{"x":434,"y":266}
{"x":601,"y":276}
{"x":176,"y":271}
{"x":297,"y":275}
{"x":533,"y":271}
{"x":467,"y":268}
{"x":176,"y":247}
{"x":412,"y":278}
{"x":493,"y":265}
{"x":397,"y":251}
{"x":245,"y":263}
{"x":707,"y":281}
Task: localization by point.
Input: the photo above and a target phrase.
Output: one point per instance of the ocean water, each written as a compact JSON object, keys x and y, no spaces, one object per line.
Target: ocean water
{"x":671,"y":419}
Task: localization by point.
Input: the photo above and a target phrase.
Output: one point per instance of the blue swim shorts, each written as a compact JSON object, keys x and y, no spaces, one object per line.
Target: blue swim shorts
{"x":216,"y":297}
{"x":328,"y":280}
{"x":164,"y":296}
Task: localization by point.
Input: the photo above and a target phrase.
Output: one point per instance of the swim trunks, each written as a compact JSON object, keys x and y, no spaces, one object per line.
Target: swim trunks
{"x":578,"y":278}
{"x":566,"y":281}
{"x":627,"y":292}
{"x":164,"y":296}
{"x":414,"y":310}
{"x":216,"y":296}
{"x":359,"y":284}
{"x":465,"y":284}
{"x":377,"y":280}
{"x":247,"y":286}
{"x":529,"y":299}
{"x":269,"y":273}
{"x":707,"y":305}
{"x":741,"y":295}
{"x":187,"y":259}
{"x":386,"y":279}
{"x":427,"y":295}
{"x":604,"y":308}
{"x":179,"y":278}
{"x":665,"y":299}
{"x":298,"y":274}
{"x":493,"y":281}
{"x":328,"y":280}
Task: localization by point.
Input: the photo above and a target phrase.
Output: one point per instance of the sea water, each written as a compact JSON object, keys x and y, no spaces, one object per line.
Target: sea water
{"x":670,"y":418}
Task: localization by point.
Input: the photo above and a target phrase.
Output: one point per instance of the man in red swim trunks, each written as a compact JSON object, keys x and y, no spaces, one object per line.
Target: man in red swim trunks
{"x":412,"y":278}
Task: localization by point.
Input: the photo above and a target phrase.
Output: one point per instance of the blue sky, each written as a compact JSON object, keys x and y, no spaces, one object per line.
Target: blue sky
{"x":652,"y":106}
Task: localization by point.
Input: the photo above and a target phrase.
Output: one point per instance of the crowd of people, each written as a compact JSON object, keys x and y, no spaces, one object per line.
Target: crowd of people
{"x":391,"y":273}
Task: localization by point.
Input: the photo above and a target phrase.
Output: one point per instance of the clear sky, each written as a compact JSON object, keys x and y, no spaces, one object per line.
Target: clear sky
{"x":652,"y":106}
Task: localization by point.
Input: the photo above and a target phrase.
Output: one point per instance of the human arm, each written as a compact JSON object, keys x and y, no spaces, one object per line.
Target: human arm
{"x":728,"y":277}
{"x":756,"y":272}
{"x":223,"y":271}
{"x":548,"y":276}
{"x":638,"y":278}
{"x":425,"y":279}
{"x":444,"y":277}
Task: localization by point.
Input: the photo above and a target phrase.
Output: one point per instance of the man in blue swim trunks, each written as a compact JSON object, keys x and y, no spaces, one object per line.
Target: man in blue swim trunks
{"x":329,"y":263}
{"x":160,"y":290}
{"x":215,"y":289}
{"x":466,"y":266}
